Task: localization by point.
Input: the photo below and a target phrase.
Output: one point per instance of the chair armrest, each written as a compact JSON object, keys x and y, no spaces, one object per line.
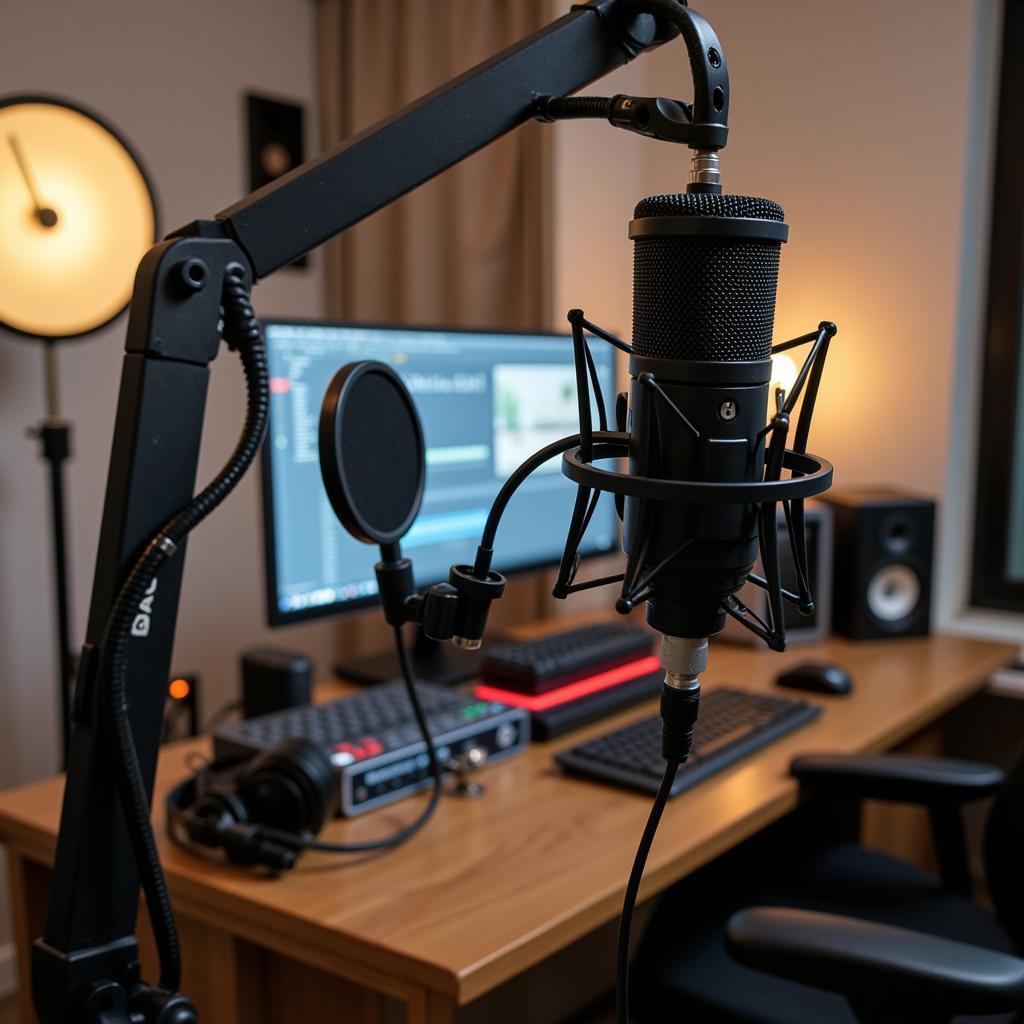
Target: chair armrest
{"x":899,"y":777}
{"x":881,"y":970}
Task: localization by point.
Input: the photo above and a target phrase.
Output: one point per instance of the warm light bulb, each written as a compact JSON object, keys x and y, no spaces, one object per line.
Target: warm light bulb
{"x":784,"y":373}
{"x":76,"y":216}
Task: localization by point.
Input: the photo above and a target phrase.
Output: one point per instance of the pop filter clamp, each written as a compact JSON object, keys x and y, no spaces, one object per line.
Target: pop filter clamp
{"x":373,"y":464}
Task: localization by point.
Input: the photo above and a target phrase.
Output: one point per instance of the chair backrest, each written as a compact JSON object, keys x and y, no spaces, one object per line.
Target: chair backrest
{"x":1004,"y":851}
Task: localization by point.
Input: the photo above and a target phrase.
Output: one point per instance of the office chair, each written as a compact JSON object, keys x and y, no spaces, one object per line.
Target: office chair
{"x":834,"y":933}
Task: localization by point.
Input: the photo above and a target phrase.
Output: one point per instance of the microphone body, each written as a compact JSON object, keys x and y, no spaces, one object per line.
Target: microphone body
{"x":705,"y":276}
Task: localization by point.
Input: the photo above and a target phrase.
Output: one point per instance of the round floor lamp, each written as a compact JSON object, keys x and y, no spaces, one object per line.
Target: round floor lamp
{"x":77,"y":213}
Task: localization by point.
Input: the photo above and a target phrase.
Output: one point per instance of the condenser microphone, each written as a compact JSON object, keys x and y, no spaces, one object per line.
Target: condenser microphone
{"x":705,"y":274}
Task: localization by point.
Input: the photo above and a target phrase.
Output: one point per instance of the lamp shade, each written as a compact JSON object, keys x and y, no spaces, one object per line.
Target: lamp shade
{"x":76,"y":216}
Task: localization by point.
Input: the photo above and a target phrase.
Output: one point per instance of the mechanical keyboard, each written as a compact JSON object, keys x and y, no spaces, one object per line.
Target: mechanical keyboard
{"x":731,"y":725}
{"x":548,"y":662}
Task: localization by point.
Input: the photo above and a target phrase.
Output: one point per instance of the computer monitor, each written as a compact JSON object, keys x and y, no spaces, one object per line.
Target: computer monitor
{"x":487,"y":400}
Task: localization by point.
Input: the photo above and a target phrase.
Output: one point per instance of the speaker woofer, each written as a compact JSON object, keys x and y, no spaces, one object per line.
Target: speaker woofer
{"x":894,"y":593}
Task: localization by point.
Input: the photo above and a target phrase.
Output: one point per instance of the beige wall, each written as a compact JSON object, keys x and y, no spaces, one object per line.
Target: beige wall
{"x":854,"y":118}
{"x":869,"y":123}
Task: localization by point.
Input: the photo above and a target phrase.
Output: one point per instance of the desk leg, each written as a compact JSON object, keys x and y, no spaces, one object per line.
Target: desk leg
{"x":426,"y":1007}
{"x":209,"y":966}
{"x":441,"y":1009}
{"x":274,"y":988}
{"x":29,"y":886}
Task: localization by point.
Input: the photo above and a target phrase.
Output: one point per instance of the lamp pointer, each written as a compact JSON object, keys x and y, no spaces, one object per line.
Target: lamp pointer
{"x":44,"y":214}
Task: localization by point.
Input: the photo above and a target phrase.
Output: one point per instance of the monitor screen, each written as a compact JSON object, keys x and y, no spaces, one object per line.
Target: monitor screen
{"x":487,"y":401}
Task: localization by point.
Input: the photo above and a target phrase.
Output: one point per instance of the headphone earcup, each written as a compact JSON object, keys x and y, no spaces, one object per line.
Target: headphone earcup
{"x":290,"y":787}
{"x":220,"y":803}
{"x":205,"y":817}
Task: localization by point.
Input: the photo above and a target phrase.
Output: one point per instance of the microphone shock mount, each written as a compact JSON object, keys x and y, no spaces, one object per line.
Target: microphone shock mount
{"x":790,"y":476}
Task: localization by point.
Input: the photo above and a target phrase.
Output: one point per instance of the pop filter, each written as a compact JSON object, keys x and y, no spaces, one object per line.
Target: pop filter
{"x":372,"y":455}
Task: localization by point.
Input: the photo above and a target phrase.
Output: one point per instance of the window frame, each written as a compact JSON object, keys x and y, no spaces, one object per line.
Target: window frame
{"x":990,"y":584}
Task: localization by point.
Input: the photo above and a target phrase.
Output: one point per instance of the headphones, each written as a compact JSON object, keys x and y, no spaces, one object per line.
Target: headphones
{"x":261,"y":811}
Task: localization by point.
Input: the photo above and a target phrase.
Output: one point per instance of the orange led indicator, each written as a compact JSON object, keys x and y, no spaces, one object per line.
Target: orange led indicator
{"x":179,"y":689}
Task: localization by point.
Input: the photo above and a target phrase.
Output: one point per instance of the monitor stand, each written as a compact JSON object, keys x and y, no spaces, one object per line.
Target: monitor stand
{"x":432,"y":662}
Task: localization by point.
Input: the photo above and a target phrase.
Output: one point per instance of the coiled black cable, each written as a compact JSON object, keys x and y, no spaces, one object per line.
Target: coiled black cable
{"x":569,"y":108}
{"x":242,"y":333}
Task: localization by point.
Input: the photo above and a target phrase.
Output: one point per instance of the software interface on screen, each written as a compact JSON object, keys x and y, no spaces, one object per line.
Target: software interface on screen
{"x":487,"y":401}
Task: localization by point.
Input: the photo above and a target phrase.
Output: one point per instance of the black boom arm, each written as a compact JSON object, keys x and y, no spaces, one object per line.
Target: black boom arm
{"x":85,"y":966}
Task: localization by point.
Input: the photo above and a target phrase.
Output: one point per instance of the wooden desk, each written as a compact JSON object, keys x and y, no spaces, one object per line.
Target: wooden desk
{"x":493,"y":885}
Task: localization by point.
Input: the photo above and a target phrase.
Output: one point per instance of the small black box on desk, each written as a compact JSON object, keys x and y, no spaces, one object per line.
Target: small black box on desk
{"x":273,"y":680}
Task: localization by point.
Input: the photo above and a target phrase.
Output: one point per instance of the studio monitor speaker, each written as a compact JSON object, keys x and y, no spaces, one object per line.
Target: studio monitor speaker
{"x":882,"y":563}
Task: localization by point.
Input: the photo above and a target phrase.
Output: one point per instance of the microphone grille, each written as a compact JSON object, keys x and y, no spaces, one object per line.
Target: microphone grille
{"x":705,"y":298}
{"x":708,"y":204}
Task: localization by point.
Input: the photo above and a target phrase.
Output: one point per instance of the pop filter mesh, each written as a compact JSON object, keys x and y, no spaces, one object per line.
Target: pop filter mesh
{"x":380,"y":451}
{"x":705,"y":298}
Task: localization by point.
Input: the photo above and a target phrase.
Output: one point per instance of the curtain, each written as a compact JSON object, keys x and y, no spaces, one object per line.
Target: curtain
{"x":472,"y":246}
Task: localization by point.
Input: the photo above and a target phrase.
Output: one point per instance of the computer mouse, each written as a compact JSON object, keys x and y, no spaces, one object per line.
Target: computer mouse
{"x":818,"y":677}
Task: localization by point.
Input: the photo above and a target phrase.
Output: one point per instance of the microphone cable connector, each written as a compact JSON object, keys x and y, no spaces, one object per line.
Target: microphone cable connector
{"x":684,"y":660}
{"x":705,"y":169}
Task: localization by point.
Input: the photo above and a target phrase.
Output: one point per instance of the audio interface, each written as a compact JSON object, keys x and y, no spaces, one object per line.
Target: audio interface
{"x":375,"y":743}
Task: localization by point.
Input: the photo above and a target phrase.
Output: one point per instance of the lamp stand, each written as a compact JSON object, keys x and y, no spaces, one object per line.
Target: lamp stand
{"x":54,"y":435}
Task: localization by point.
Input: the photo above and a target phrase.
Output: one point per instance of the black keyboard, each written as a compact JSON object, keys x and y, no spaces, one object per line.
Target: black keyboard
{"x":373,"y":740}
{"x":731,"y":725}
{"x":536,"y":666}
